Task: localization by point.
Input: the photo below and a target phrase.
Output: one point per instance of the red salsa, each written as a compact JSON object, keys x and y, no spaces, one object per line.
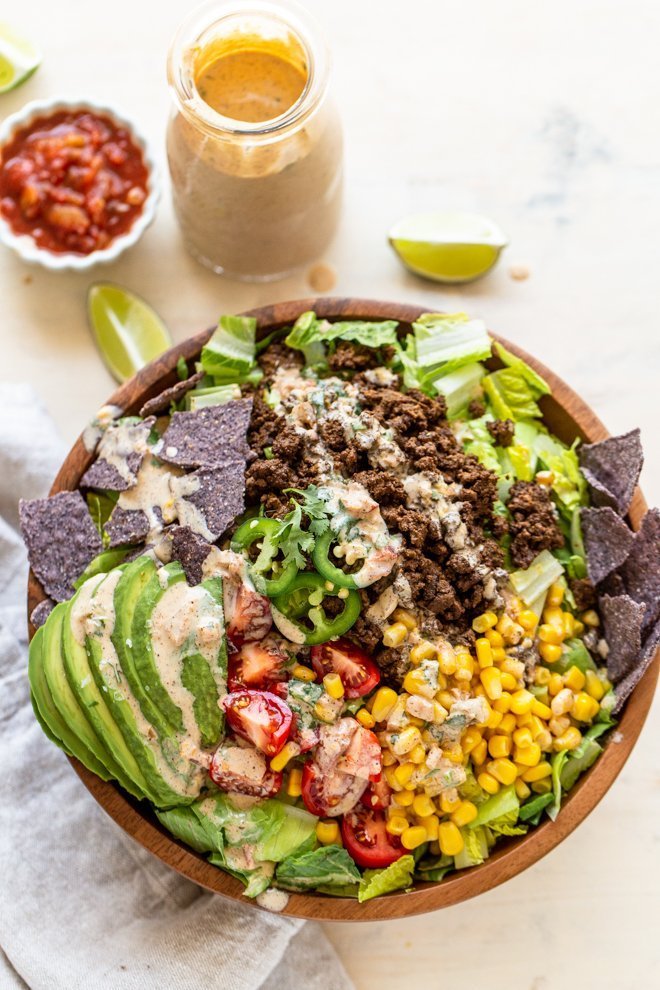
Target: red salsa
{"x":74,"y":181}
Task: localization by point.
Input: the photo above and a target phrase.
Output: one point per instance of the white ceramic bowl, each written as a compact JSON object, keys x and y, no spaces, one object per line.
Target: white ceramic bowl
{"x":24,"y":245}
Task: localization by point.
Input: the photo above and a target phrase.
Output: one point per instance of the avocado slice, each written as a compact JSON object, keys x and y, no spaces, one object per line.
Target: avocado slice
{"x":56,"y":702}
{"x":166,"y":787}
{"x":206,"y":682}
{"x":92,"y":700}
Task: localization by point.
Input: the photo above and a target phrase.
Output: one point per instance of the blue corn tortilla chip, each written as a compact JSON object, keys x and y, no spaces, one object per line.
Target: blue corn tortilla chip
{"x":622,"y":626}
{"x":641,"y":570}
{"x":162,"y":402}
{"x":41,"y":612}
{"x":191,"y":550}
{"x":624,"y":689}
{"x":61,"y":539}
{"x":207,"y":501}
{"x":125,"y":527}
{"x":607,"y":541}
{"x":129,"y":439}
{"x":208,"y":437}
{"x":612,"y":468}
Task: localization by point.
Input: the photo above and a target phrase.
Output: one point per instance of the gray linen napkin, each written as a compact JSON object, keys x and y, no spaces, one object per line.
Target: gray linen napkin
{"x":81,"y":904}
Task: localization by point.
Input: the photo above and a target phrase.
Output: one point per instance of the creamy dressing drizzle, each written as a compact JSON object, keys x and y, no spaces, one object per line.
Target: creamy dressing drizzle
{"x":97,"y":427}
{"x":152,"y":492}
{"x":273,"y":899}
{"x":188,"y":514}
{"x":119,"y":441}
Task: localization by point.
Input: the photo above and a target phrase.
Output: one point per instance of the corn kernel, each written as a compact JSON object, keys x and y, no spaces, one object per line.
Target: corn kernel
{"x":453,"y":753}
{"x":397,"y":825}
{"x":521,"y":702}
{"x":500,"y":746}
{"x":555,"y":595}
{"x":403,"y":773}
{"x":524,"y":721}
{"x":488,"y":783}
{"x":569,"y":625}
{"x":542,"y":786}
{"x":383,"y":703}
{"x":450,"y":839}
{"x":584,"y":707}
{"x":491,"y":679}
{"x":514,"y":667}
{"x":406,"y":740}
{"x":540,"y":710}
{"x":440,"y":713}
{"x":464,"y":814}
{"x":416,"y":683}
{"x":559,"y":725}
{"x":538,"y":772}
{"x":388,"y":758}
{"x":495,"y":638}
{"x":499,"y":654}
{"x":569,"y":740}
{"x":546,"y":478}
{"x":446,"y":699}
{"x":288,"y":751}
{"x":465,"y":667}
{"x":509,"y":682}
{"x":555,"y":684}
{"x":574,"y":679}
{"x":395,"y":634}
{"x":423,"y":806}
{"x":471,"y":737}
{"x":484,"y":653}
{"x":449,"y":801}
{"x":417,"y":755}
{"x":542,"y":676}
{"x":494,"y":719}
{"x":414,"y":835}
{"x":406,"y":617}
{"x":334,"y":686}
{"x":503,"y":703}
{"x":446,"y":658}
{"x":422,"y":651}
{"x":480,"y":752}
{"x":550,"y":634}
{"x":594,"y":685}
{"x":507,"y":725}
{"x":529,"y":756}
{"x":590,"y":618}
{"x":528,"y":620}
{"x":327,"y":833}
{"x":484,"y":622}
{"x":365,"y":718}
{"x":404,"y":799}
{"x":294,"y":783}
{"x":578,"y":627}
{"x":431,"y":825}
{"x":390,"y":776}
{"x":302,"y":673}
{"x":562,"y":702}
{"x":549,"y":652}
{"x":511,"y":631}
{"x":523,"y":738}
{"x":544,"y":739}
{"x":522,"y":790}
{"x":503,"y":770}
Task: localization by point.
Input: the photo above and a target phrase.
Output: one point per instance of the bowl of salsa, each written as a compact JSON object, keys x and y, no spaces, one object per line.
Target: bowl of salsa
{"x":78,"y":185}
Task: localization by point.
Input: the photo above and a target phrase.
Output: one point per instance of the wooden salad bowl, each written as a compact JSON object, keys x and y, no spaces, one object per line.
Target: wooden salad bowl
{"x":567,"y":416}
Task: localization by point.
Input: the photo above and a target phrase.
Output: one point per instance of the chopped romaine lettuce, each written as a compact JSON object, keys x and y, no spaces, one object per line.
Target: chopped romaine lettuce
{"x":295,"y":831}
{"x":217,"y":395}
{"x":460,"y":387}
{"x":184,"y":825}
{"x":534,"y":380}
{"x":584,"y":755}
{"x":256,"y":880}
{"x":308,"y":330}
{"x":229,"y":356}
{"x":445,"y":342}
{"x":396,"y":876}
{"x":514,"y":389}
{"x":533,"y":583}
{"x":569,"y":486}
{"x":575,"y":655}
{"x":327,"y":866}
{"x":475,"y":848}
{"x":503,"y":805}
{"x":532,"y":810}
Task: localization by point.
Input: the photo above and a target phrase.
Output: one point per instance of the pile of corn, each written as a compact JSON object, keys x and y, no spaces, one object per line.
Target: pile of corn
{"x":512,"y":744}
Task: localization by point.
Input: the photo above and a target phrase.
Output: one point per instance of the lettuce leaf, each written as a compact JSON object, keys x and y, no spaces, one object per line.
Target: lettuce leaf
{"x":502,"y":806}
{"x":558,"y":761}
{"x":583,"y":756}
{"x":514,"y":389}
{"x":184,"y":825}
{"x":396,"y":876}
{"x":576,"y":655}
{"x":538,"y":385}
{"x":256,"y":880}
{"x":297,"y":828}
{"x":460,"y":387}
{"x":309,"y":330}
{"x":240,"y":825}
{"x":475,"y":850}
{"x":229,"y":356}
{"x":532,"y":810}
{"x":327,"y":866}
{"x":569,"y":485}
{"x":532,"y":583}
{"x":445,"y":342}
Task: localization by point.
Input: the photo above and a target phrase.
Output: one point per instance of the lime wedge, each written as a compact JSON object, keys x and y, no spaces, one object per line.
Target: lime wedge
{"x":447,"y":247}
{"x":128,"y":332}
{"x":18,"y":58}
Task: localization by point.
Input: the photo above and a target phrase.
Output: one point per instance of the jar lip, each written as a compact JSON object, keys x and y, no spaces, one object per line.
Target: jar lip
{"x":289,"y":14}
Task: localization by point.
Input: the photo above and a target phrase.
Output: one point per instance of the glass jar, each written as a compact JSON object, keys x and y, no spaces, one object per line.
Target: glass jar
{"x":255,"y":199}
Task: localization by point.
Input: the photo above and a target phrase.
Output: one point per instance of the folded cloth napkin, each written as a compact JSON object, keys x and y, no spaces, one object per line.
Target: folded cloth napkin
{"x":81,"y":904}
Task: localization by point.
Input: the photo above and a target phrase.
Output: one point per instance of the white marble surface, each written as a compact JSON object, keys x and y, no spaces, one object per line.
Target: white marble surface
{"x":544,"y":116}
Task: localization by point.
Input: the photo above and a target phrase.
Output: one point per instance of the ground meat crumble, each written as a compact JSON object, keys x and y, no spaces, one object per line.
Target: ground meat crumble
{"x":534,"y":526}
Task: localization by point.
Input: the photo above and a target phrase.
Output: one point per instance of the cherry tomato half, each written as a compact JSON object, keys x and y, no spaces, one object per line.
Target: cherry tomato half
{"x":260,"y":717}
{"x":249,"y":614}
{"x":244,"y":771}
{"x":378,"y":795}
{"x":367,"y":840}
{"x":359,"y":674}
{"x":256,"y":665}
{"x":332,"y":794}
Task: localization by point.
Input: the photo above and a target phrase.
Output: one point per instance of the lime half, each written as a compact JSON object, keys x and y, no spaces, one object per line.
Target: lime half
{"x":447,"y":247}
{"x":18,"y":58}
{"x":128,"y":332}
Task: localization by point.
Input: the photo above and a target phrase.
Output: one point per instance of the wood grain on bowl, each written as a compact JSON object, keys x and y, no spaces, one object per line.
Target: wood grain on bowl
{"x":567,"y":416}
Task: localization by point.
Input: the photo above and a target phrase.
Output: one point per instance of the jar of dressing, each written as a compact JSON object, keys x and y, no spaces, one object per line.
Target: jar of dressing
{"x":254,"y":143}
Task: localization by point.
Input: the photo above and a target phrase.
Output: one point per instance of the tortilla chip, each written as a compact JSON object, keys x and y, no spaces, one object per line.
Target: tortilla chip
{"x":607,"y":541}
{"x":208,"y":437}
{"x":646,"y":658}
{"x":641,"y":571}
{"x":126,"y":527}
{"x":41,"y":612}
{"x":612,"y":468}
{"x":207,"y":501}
{"x":622,"y":626}
{"x":61,"y":540}
{"x":191,"y":550}
{"x":161,"y":403}
{"x":128,"y":441}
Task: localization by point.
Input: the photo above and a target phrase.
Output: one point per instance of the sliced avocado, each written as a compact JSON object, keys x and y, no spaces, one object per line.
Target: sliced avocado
{"x":166,"y":787}
{"x":206,"y":683}
{"x":56,"y":701}
{"x":143,"y":655}
{"x":92,"y":700}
